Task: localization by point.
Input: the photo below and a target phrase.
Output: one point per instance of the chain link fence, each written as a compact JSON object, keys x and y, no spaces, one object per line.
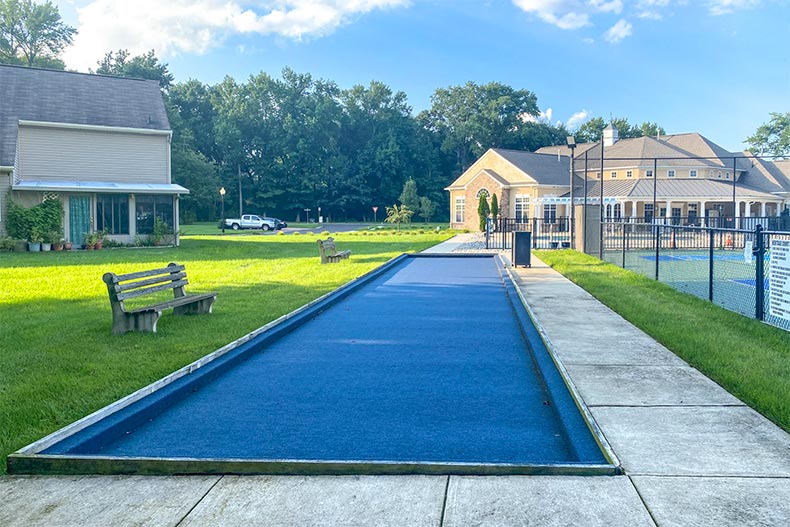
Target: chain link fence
{"x":746,"y":271}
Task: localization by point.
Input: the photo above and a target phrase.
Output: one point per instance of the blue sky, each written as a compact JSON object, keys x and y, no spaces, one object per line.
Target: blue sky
{"x":717,"y":67}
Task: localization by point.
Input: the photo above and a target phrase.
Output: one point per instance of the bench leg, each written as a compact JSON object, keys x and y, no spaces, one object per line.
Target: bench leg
{"x":142,"y":321}
{"x":195,"y":308}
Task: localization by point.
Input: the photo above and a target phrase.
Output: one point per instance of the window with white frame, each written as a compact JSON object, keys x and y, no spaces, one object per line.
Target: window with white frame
{"x":692,"y":173}
{"x":617,"y":213}
{"x":726,"y":175}
{"x":719,"y":175}
{"x":649,"y":173}
{"x":614,"y":175}
{"x":629,"y":173}
{"x":522,"y":208}
{"x":670,"y":173}
{"x":459,"y":209}
{"x":550,"y":213}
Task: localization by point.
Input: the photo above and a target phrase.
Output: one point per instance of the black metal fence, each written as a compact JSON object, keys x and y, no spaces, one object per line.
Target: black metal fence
{"x":547,"y":233}
{"x":729,"y":267}
{"x":769,"y":223}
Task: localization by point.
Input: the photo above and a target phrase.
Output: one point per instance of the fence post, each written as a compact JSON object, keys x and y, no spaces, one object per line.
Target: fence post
{"x":710,"y":262}
{"x":759,"y":283}
{"x":657,"y":241}
{"x":625,"y":241}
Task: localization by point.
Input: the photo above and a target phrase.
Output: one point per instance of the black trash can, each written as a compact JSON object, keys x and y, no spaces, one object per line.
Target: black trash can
{"x":522,"y":249}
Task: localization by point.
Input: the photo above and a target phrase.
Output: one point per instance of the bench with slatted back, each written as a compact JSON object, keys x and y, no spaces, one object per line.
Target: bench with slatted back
{"x":329,"y":252}
{"x":134,"y":285}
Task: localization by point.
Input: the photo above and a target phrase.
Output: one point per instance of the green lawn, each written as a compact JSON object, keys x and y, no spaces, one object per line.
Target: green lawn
{"x":748,"y":358}
{"x":59,"y":361}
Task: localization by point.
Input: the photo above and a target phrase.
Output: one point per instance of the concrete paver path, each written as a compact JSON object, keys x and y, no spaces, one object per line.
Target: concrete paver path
{"x":693,"y":455}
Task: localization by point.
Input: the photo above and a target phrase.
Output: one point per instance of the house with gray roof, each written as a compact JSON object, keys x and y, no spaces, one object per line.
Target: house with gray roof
{"x":100,"y":144}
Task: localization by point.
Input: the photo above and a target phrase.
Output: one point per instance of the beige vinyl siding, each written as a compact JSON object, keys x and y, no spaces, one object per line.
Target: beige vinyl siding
{"x":51,"y":154}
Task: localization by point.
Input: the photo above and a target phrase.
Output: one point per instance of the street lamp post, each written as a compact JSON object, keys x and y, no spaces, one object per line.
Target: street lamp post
{"x":307,"y":212}
{"x":572,"y":145}
{"x":319,"y":215}
{"x":375,"y":210}
{"x":222,"y":197}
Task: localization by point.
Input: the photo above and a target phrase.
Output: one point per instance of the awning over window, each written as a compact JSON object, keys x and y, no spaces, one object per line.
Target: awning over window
{"x":99,"y":186}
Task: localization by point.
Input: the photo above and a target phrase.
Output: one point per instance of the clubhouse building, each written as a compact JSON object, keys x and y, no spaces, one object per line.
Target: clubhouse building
{"x":692,"y":178}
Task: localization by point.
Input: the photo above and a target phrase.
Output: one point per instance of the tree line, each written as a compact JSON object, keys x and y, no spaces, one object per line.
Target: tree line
{"x":295,"y":142}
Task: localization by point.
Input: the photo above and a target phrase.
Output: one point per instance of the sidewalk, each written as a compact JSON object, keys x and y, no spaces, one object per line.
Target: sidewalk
{"x":693,"y":455}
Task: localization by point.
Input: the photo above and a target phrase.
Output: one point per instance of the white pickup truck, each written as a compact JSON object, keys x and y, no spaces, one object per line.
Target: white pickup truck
{"x":251,"y":221}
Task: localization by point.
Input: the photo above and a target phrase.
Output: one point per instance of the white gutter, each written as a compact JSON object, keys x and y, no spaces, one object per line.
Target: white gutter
{"x":95,"y":128}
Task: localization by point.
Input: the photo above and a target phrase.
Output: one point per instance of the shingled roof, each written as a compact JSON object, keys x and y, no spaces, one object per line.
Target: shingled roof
{"x":32,"y":94}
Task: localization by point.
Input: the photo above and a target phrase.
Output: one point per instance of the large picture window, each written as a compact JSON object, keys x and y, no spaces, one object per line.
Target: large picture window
{"x":112,"y":213}
{"x":522,"y":209}
{"x":150,"y":207}
{"x":459,"y":210}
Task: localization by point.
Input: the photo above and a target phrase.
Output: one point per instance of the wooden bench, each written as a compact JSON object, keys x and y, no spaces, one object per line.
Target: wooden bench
{"x":134,"y":285}
{"x":329,"y":252}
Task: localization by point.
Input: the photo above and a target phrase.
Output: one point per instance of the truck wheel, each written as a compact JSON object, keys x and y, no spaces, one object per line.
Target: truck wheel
{"x":235,"y":226}
{"x":265,"y":227}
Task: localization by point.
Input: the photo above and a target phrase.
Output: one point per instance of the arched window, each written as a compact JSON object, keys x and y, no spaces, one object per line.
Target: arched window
{"x":483,"y":192}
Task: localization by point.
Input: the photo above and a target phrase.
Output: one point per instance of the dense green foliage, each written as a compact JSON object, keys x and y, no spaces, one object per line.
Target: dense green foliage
{"x":592,"y":130}
{"x":748,"y":358}
{"x":772,"y":138}
{"x":42,"y":222}
{"x":494,"y":206}
{"x":59,"y":360}
{"x":32,"y":33}
{"x":482,"y":211}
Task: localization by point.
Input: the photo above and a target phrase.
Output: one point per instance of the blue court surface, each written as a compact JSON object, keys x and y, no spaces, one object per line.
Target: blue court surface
{"x":732,"y":257}
{"x":430,"y":365}
{"x":751,"y":282}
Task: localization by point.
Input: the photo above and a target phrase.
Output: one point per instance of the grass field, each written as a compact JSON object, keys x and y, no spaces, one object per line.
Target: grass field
{"x":59,"y":361}
{"x":748,"y":358}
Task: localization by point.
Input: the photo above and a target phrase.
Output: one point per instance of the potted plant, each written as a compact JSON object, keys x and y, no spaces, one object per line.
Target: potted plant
{"x":34,"y":244}
{"x":67,"y":245}
{"x":55,"y":238}
{"x":90,"y":241}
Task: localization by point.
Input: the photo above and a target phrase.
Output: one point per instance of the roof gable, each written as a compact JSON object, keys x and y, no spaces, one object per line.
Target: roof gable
{"x":33,"y":94}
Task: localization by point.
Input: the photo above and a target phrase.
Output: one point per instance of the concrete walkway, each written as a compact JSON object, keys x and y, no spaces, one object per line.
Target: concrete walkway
{"x":693,"y":455}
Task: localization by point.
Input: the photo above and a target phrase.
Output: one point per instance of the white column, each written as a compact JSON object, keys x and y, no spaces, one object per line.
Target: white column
{"x":763,"y":210}
{"x":748,"y":209}
{"x":668,"y":214}
{"x":634,"y":206}
{"x":778,"y":209}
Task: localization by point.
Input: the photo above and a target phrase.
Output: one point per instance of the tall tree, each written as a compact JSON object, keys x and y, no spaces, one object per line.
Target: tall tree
{"x":472,"y":118}
{"x":32,"y":34}
{"x":592,"y":130}
{"x":482,"y":211}
{"x":145,"y":66}
{"x":409,"y":195}
{"x":427,"y":208}
{"x":772,"y":138}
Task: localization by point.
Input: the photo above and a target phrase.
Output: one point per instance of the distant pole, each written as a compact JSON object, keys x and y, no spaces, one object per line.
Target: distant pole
{"x":238,"y":167}
{"x":584,"y":232}
{"x":222,"y":197}
{"x":375,"y":210}
{"x":735,"y":210}
{"x":600,"y":240}
{"x":571,"y":216}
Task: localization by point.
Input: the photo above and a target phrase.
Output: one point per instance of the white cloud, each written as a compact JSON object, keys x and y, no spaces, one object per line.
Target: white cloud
{"x":618,"y":32}
{"x":604,"y":6}
{"x":575,"y":120}
{"x":562,"y":13}
{"x":195,"y":26}
{"x":724,"y":7}
{"x":651,"y":9}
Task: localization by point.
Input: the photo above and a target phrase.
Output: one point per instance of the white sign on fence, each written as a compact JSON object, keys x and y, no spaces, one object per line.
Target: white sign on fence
{"x":748,"y":246}
{"x":779,"y":279}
